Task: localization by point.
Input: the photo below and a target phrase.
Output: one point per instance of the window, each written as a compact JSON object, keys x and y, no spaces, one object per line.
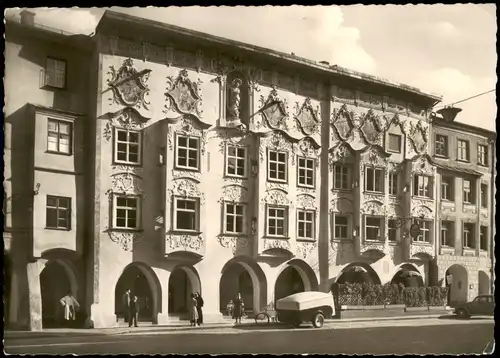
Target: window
{"x":482,"y":154}
{"x":58,"y":213}
{"x":441,"y":145}
{"x":236,"y":161}
{"x":341,"y":227}
{"x":188,"y":149}
{"x":375,"y":180}
{"x":422,"y":186}
{"x":186,"y":214}
{"x":276,"y":221}
{"x":393,"y":230}
{"x":468,"y":192}
{"x":395,"y":143}
{"x":235,"y":218}
{"x":373,"y":229}
{"x":447,"y":188}
{"x":463,"y":150}
{"x":425,"y":232}
{"x":393,"y":183}
{"x":483,"y":238}
{"x":127,"y":146}
{"x":341,"y":177}
{"x":305,"y":171}
{"x":55,"y":73}
{"x":126,"y":212}
{"x":447,"y":236}
{"x":484,"y":195}
{"x":305,"y":224}
{"x":277,"y":165}
{"x":59,"y":135}
{"x":468,"y":236}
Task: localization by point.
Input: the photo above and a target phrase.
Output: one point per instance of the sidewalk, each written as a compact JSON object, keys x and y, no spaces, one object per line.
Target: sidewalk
{"x":184,"y":326}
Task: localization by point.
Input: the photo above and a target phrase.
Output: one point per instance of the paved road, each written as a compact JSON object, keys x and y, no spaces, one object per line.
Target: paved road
{"x":432,"y":336}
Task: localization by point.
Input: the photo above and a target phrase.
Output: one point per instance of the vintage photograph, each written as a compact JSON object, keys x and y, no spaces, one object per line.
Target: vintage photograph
{"x":250,"y":180}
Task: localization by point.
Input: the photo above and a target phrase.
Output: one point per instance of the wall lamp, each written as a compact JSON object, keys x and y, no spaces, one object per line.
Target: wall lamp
{"x":37,"y":189}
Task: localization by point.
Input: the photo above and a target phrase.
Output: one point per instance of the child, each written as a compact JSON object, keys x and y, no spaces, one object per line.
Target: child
{"x":230,"y":308}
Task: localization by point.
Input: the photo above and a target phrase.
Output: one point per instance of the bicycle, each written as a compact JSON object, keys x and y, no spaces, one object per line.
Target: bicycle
{"x":267,"y":316}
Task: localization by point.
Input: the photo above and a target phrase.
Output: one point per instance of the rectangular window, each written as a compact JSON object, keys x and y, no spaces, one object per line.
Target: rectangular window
{"x":484,"y":195}
{"x":422,"y":186}
{"x":58,"y":213}
{"x":483,"y":238}
{"x":441,"y":145}
{"x":341,"y":177}
{"x":393,"y":229}
{"x":425,"y":232}
{"x":468,"y":191}
{"x":55,"y":73}
{"x":127,"y":212}
{"x":59,"y":135}
{"x":127,"y":146}
{"x":277,"y":166}
{"x":393,"y":183}
{"x":305,"y":224}
{"x":395,"y":143}
{"x":305,"y":173}
{"x":341,"y":227}
{"x":482,"y":154}
{"x":375,"y":180}
{"x":235,"y":218}
{"x":447,"y":190}
{"x":276,"y":221}
{"x":186,"y":214}
{"x":447,"y":236}
{"x":188,"y":152}
{"x":468,"y":236}
{"x":463,"y":150}
{"x":236,"y":161}
{"x":373,"y":228}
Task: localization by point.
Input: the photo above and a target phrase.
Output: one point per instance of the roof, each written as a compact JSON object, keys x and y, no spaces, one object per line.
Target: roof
{"x":456,"y":168}
{"x":441,"y":122}
{"x":63,"y":112}
{"x":111,"y":17}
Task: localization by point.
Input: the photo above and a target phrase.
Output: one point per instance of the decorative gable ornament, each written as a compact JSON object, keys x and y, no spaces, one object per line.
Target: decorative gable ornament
{"x":129,"y":86}
{"x":307,"y":117}
{"x":371,"y":128}
{"x":183,"y":95}
{"x":342,"y":122}
{"x":274,"y":110}
{"x":418,"y":136}
{"x":127,"y":118}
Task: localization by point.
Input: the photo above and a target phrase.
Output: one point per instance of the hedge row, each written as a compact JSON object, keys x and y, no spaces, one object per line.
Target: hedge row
{"x":370,"y":294}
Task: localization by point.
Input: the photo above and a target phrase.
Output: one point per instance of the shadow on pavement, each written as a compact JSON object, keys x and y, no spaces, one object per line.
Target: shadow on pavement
{"x":455,"y":317}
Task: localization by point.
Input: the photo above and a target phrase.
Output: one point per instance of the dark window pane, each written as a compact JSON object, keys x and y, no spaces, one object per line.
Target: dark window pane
{"x":132,"y":222}
{"x":122,"y":136}
{"x":120,"y":222}
{"x":281,"y":213}
{"x":133,"y":149}
{"x":133,"y":158}
{"x":239,"y":210}
{"x":51,"y":201}
{"x":310,"y":164}
{"x":231,"y":151}
{"x":133,"y":137}
{"x":182,"y":141}
{"x":301,"y":215}
{"x":241,"y":152}
{"x":191,"y":205}
{"x":281,"y":157}
{"x":193,"y":162}
{"x":51,"y":218}
{"x":239,"y":224}
{"x":193,"y":143}
{"x":185,"y":220}
{"x":121,"y":201}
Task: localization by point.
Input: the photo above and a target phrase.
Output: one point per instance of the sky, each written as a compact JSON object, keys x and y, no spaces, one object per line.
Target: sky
{"x":449,"y":50}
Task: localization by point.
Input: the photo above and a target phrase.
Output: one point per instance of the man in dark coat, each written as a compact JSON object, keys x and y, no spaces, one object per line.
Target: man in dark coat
{"x":199,"y":307}
{"x":126,"y":300}
{"x":134,"y":311}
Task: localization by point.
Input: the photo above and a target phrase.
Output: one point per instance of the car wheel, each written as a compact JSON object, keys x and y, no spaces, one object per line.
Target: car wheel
{"x":318,"y":320}
{"x":462,"y":313}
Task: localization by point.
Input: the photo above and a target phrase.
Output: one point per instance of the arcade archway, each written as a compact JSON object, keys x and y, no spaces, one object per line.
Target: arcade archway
{"x":183,"y":281}
{"x":409,"y":276}
{"x":358,"y":273}
{"x":484,"y":285}
{"x":457,"y":281}
{"x":295,"y":277}
{"x":55,"y":283}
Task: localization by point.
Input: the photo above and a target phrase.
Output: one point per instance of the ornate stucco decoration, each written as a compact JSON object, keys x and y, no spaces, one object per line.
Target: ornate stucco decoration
{"x":234,"y":193}
{"x":233,"y":106}
{"x":341,"y":153}
{"x":307,"y":191}
{"x":371,"y":247}
{"x":186,"y":188}
{"x":276,"y":197}
{"x":127,"y":119}
{"x":274,"y":110}
{"x":469,"y":209}
{"x":277,"y":186}
{"x":423,"y":165}
{"x":126,"y":240}
{"x":233,"y":242}
{"x":307,"y":117}
{"x":422,"y":249}
{"x":277,"y":141}
{"x":373,"y":156}
{"x":183,"y":95}
{"x":342,"y":122}
{"x":190,"y":127}
{"x":373,"y":208}
{"x":416,"y":111}
{"x":270,"y":244}
{"x":305,"y":201}
{"x":304,"y":248}
{"x":371,"y":128}
{"x":185,"y":242}
{"x":187,"y":174}
{"x":418,"y":137}
{"x":128,"y":85}
{"x":308,"y":148}
{"x":341,"y":205}
{"x":422,"y":211}
{"x":395,"y":210}
{"x":231,"y":136}
{"x":126,"y":183}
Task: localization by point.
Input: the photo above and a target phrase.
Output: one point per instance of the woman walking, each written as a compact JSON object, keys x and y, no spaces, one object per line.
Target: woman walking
{"x":239,"y":308}
{"x":194,"y":311}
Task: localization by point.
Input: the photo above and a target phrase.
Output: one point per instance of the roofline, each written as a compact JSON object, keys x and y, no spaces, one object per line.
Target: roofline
{"x":441,"y":122}
{"x":335,"y":69}
{"x":40,"y":108}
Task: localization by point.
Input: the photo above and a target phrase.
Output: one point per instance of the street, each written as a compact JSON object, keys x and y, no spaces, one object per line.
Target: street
{"x":419,"y":336}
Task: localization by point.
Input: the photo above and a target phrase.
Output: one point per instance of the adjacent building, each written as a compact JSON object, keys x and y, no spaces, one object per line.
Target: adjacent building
{"x":170,"y":161}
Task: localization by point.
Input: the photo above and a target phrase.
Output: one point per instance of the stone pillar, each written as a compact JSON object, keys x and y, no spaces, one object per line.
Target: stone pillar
{"x":210,"y":280}
{"x":14,"y":297}
{"x":35,"y":296}
{"x":163,"y":277}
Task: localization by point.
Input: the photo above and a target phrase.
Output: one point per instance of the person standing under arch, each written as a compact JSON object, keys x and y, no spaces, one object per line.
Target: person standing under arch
{"x":199,"y":307}
{"x":70,"y":306}
{"x":239,"y":308}
{"x":194,"y":311}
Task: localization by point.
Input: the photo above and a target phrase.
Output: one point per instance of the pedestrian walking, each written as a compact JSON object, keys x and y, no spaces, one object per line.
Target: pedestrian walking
{"x":239,"y":308}
{"x":126,"y":300}
{"x":70,"y":306}
{"x":194,"y":311}
{"x":230,"y":308}
{"x":199,"y":307}
{"x":134,"y":312}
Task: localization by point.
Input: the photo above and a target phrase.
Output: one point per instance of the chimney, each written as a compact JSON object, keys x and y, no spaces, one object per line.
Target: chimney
{"x":27,"y":18}
{"x":325,"y":63}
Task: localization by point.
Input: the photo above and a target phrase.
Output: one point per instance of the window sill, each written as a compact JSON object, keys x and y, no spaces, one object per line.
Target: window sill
{"x":447,"y":201}
{"x":278,"y":181}
{"x":341,"y":240}
{"x":463,"y":161}
{"x":305,"y":239}
{"x":178,"y":167}
{"x":421,"y":243}
{"x":185,"y":232}
{"x":52,"y":87}
{"x":57,"y":228}
{"x":374,"y":240}
{"x":276,"y":237}
{"x":122,"y":229}
{"x":373,"y":192}
{"x":304,"y":186}
{"x":421,"y":197}
{"x":442,"y":156}
{"x":234,"y":176}
{"x":233,"y":234}
{"x":343,"y":190}
{"x":484,"y":165}
{"x":58,"y":153}
{"x":132,"y":164}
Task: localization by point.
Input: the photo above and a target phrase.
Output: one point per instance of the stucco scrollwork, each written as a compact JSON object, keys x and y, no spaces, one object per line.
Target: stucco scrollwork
{"x":421,"y":165}
{"x":369,"y":246}
{"x":373,"y":208}
{"x":371,"y":128}
{"x":126,"y":240}
{"x":188,"y":127}
{"x":186,"y":188}
{"x":274,"y":110}
{"x":341,"y":121}
{"x":341,"y":154}
{"x":307,"y":117}
{"x":234,"y":193}
{"x":233,"y":242}
{"x":185,"y":242}
{"x":277,"y":186}
{"x":373,"y":157}
{"x":418,"y":136}
{"x":277,"y":141}
{"x":304,"y":248}
{"x":127,"y":119}
{"x":183,"y":95}
{"x":276,"y":197}
{"x":123,"y":168}
{"x":341,"y":205}
{"x":422,"y":249}
{"x":126,"y":183}
{"x":128,"y":85}
{"x":270,"y":244}
{"x":189,"y":174}
{"x":469,"y":209}
{"x":422,"y":211}
{"x":307,"y":147}
{"x":374,"y":197}
{"x":305,"y":201}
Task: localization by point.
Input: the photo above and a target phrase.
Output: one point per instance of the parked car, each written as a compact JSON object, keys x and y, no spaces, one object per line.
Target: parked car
{"x":483,"y":305}
{"x":308,"y":306}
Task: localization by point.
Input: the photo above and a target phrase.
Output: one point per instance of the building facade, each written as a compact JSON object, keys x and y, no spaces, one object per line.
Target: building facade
{"x":192,"y":163}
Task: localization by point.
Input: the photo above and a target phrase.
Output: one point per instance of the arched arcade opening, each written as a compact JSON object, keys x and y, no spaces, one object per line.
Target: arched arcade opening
{"x":409,"y":276}
{"x":183,"y":281}
{"x":484,"y":284}
{"x":357,"y":272}
{"x":457,"y":282}
{"x":296,"y":276}
{"x":55,"y":283}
